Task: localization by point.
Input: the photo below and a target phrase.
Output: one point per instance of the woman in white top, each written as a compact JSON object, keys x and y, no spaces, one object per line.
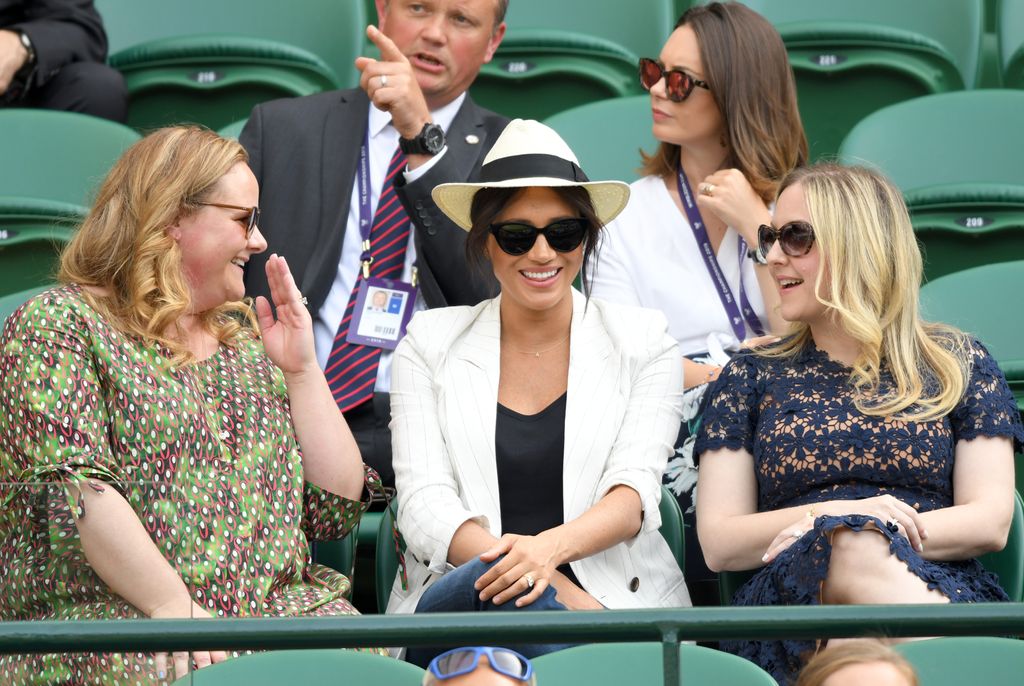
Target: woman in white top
{"x":724,"y":107}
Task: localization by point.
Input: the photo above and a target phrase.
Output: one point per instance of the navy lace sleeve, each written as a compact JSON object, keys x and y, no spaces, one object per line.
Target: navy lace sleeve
{"x":988,"y":407}
{"x":730,"y":418}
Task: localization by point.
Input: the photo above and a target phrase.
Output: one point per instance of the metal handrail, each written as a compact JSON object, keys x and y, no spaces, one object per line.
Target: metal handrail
{"x":668,"y":627}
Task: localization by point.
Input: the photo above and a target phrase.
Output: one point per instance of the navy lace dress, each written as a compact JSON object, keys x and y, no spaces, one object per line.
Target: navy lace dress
{"x":810,"y":444}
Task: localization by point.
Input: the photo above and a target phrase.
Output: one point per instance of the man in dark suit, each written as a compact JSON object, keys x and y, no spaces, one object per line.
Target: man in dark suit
{"x":316,"y":196}
{"x":52,"y":56}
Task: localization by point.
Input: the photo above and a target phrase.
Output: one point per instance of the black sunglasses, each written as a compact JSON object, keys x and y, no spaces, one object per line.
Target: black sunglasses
{"x":795,"y":238}
{"x":564,"y":235}
{"x":464,"y":660}
{"x":678,"y":84}
{"x":253,"y":219}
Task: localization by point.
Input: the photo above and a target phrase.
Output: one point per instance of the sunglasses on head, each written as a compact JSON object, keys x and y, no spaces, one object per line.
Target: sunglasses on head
{"x":252,"y":219}
{"x":464,"y":660}
{"x":795,"y":238}
{"x":678,"y":84}
{"x":517,"y":238}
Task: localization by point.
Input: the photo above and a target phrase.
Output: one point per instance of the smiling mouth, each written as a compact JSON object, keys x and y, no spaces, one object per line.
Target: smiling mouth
{"x":786,"y":284}
{"x":238,"y":262}
{"x":541,"y":276}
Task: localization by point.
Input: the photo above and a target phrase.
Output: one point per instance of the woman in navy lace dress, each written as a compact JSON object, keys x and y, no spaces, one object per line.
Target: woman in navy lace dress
{"x":868,"y":457}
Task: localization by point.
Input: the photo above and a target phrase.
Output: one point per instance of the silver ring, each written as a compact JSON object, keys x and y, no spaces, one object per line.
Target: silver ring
{"x":529,"y":580}
{"x":383,"y":80}
{"x":707,"y":189}
{"x":303,"y":300}
{"x":796,"y":533}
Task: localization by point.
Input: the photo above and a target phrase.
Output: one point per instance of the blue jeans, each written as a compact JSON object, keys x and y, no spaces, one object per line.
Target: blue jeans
{"x":454,"y":592}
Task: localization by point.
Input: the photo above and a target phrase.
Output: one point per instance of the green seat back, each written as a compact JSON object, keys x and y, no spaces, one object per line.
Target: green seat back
{"x":640,"y":664}
{"x":339,"y":555}
{"x":852,"y":58}
{"x":61,"y":156}
{"x":386,"y":560}
{"x":32,"y":234}
{"x":588,"y":131}
{"x":557,"y":55}
{"x":234,"y":129}
{"x":959,"y":660}
{"x":1010,"y":29}
{"x":1008,"y":563}
{"x":210,"y":62}
{"x":956,"y":157}
{"x":975,"y":300}
{"x":306,"y":667}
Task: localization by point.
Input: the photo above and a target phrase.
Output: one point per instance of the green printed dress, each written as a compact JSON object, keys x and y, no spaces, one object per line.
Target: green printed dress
{"x":205,"y":454}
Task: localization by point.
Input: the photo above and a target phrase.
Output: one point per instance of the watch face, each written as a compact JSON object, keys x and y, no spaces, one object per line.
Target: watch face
{"x":433,"y":139}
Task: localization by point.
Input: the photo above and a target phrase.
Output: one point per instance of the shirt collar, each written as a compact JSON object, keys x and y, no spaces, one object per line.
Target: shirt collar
{"x":443,"y":117}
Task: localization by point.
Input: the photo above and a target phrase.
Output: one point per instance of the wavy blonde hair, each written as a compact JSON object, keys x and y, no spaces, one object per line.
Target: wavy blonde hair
{"x":862,"y":230}
{"x":123,"y":246}
{"x":749,"y":76}
{"x":864,"y":651}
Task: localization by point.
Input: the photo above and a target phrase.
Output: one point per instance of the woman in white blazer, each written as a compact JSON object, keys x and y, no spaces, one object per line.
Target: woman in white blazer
{"x":531,"y":431}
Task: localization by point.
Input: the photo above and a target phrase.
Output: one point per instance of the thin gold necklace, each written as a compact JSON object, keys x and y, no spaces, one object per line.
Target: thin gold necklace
{"x":538,"y":353}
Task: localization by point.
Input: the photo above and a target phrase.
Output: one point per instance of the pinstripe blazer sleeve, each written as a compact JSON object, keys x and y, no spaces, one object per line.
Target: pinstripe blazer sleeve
{"x":650,"y":423}
{"x":430,"y":508}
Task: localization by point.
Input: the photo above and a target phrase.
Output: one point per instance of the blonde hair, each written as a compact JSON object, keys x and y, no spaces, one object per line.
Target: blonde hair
{"x":872,"y":264}
{"x":123,"y":246}
{"x":831,"y":660}
{"x":750,"y":78}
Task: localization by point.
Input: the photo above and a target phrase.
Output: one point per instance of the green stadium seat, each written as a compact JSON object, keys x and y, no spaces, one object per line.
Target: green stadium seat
{"x":387,"y":557}
{"x":339,"y":555}
{"x":1007,"y":564}
{"x":975,"y":300}
{"x":640,"y":664}
{"x":852,"y":58}
{"x":961,"y":660}
{"x":957,"y":159}
{"x":618,"y":155}
{"x":234,"y":129}
{"x":210,"y":62}
{"x":61,"y":159}
{"x":557,"y":55}
{"x":306,"y":667}
{"x":1010,"y":29}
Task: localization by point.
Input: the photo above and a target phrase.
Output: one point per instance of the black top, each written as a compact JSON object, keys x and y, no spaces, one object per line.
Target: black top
{"x":529,"y":451}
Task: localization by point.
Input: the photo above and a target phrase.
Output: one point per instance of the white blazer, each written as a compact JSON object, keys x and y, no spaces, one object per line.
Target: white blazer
{"x":621,"y":420}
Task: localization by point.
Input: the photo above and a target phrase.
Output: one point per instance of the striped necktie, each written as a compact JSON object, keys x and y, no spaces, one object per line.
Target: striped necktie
{"x":351,"y":369}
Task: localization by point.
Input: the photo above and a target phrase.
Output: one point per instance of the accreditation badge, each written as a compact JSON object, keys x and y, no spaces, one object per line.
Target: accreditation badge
{"x":382,"y":311}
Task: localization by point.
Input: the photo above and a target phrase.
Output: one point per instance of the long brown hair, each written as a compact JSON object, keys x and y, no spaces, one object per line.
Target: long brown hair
{"x":123,"y":248}
{"x":749,"y":75}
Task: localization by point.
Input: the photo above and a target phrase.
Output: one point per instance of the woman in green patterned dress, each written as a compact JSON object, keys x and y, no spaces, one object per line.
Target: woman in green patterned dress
{"x":167,"y":452}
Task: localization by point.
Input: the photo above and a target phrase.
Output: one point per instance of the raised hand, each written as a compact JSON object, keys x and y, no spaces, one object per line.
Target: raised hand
{"x":729,"y":196}
{"x":288,"y":338}
{"x":391,"y":84}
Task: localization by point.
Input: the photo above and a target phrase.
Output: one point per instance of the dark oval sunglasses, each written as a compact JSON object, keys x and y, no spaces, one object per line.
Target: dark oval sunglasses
{"x":678,"y":84}
{"x":795,"y":238}
{"x":564,"y":235}
{"x":464,"y":660}
{"x":252,"y":220}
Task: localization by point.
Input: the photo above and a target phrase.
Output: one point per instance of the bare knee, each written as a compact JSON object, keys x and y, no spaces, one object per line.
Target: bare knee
{"x":857,"y":556}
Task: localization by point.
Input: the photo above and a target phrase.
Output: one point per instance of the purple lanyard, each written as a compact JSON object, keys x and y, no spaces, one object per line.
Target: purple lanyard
{"x":363,"y":179}
{"x":715,"y":271}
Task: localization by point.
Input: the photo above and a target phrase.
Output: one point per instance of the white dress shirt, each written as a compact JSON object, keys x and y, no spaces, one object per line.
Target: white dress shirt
{"x":383,"y":141}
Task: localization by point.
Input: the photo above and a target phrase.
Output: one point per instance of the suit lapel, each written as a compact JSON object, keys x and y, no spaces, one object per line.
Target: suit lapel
{"x":467,"y":125}
{"x":344,"y":132}
{"x":471,"y":408}
{"x":593,"y":394}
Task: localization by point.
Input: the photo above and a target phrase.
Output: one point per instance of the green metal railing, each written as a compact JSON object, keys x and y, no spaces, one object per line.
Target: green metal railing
{"x":668,"y":627}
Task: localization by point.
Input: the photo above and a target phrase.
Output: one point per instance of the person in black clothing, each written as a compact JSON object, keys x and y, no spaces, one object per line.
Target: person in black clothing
{"x":52,"y":55}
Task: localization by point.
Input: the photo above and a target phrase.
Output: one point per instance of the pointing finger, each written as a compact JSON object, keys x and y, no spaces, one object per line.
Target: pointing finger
{"x":388,"y":50}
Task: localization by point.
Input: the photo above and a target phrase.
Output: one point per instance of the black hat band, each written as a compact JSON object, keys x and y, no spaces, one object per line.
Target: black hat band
{"x":528,"y":166}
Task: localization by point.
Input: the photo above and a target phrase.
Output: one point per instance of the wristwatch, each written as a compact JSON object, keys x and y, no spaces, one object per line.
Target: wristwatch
{"x":428,"y":141}
{"x":30,"y":61}
{"x":756,"y":256}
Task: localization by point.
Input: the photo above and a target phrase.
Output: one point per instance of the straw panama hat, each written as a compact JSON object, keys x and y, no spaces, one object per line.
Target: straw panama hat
{"x":528,"y":153}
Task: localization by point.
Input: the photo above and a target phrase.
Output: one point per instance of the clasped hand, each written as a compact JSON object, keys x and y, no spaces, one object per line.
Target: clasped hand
{"x":895,"y":514}
{"x":526,"y":558}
